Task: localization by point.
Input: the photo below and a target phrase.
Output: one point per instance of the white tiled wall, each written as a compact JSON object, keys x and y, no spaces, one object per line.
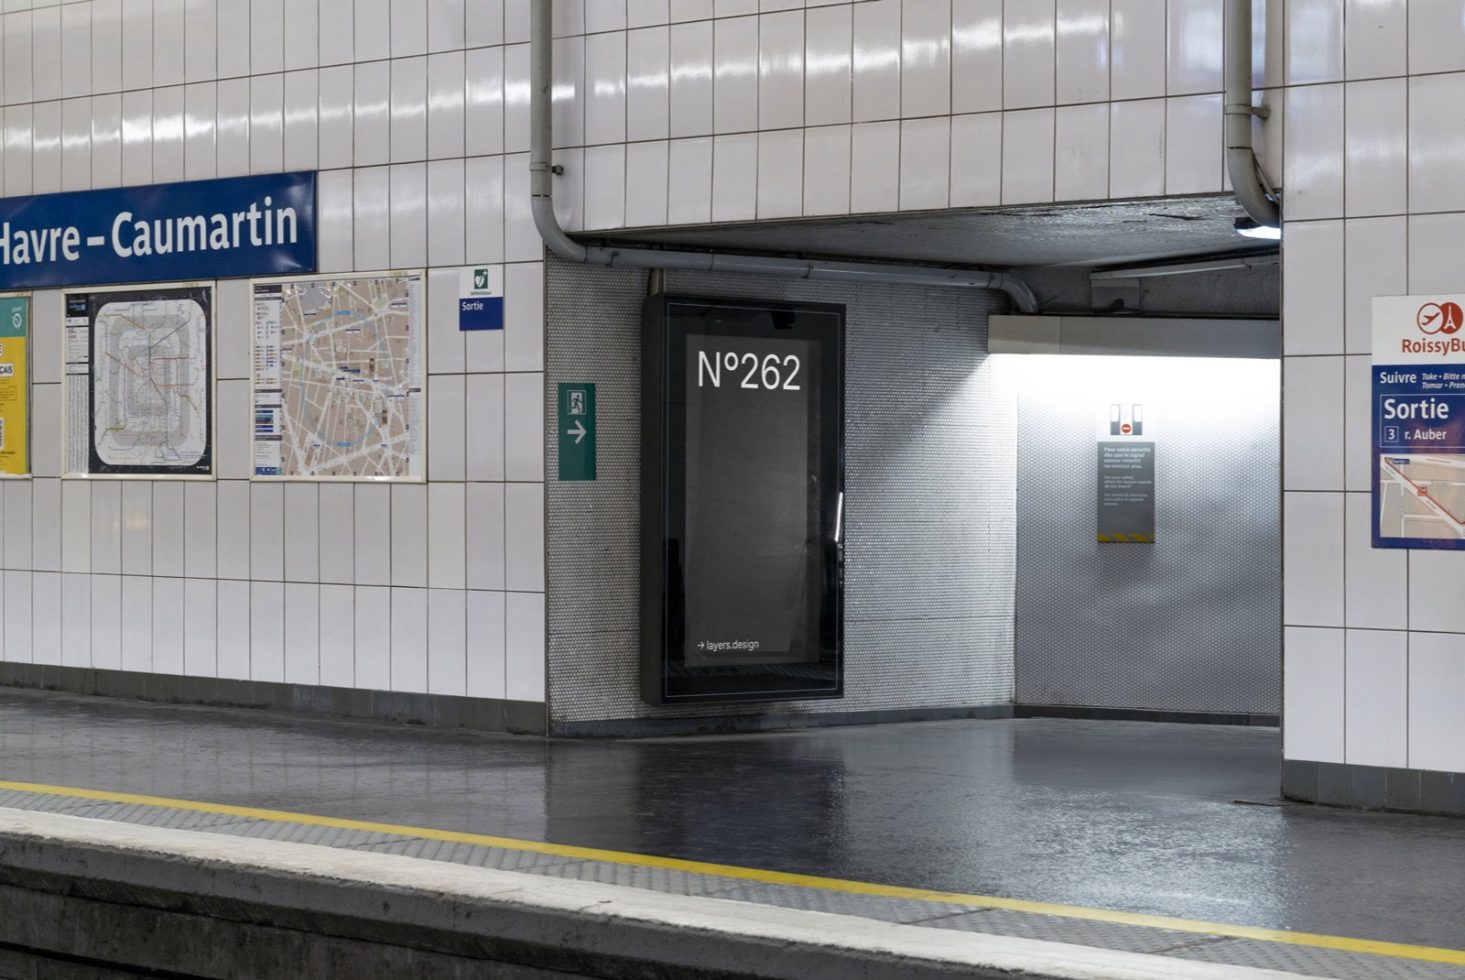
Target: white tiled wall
{"x":781,"y":108}
{"x":402,"y":106}
{"x":1375,"y":642}
{"x":678,"y":112}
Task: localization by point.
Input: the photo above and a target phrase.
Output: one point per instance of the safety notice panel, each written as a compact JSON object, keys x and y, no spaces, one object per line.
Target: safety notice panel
{"x":1125,"y":486}
{"x":1126,"y":492}
{"x":1419,"y":421}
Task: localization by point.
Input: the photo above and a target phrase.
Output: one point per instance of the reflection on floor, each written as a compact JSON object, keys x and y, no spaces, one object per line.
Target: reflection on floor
{"x":1117,"y":815}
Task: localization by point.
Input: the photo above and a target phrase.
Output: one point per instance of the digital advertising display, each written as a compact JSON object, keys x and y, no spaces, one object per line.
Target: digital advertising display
{"x":743,"y":500}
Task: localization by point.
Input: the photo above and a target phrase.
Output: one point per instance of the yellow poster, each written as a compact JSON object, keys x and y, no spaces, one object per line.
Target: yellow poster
{"x":14,"y":386}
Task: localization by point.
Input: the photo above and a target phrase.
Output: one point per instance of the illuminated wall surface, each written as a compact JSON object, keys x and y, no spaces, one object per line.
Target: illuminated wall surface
{"x":686,"y":111}
{"x":1188,"y":623}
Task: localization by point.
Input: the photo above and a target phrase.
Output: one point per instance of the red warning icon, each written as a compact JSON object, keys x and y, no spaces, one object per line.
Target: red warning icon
{"x":1445,"y":318}
{"x":1126,"y":428}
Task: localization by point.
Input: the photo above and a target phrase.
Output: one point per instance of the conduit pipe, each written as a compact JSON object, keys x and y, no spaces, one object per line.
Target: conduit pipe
{"x":1241,"y":162}
{"x":541,"y":202}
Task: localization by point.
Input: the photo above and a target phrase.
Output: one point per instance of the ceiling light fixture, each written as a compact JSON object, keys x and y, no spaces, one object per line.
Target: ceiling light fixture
{"x":1250,"y":229}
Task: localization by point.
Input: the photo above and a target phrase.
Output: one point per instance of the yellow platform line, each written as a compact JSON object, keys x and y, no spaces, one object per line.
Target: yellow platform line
{"x":1343,"y":944}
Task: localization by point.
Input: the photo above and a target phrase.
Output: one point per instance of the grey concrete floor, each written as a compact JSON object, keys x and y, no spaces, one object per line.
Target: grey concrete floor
{"x":1123,"y":815}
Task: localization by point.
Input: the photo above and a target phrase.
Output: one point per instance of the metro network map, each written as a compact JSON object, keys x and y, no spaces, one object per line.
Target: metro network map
{"x":137,"y":368}
{"x":338,"y":378}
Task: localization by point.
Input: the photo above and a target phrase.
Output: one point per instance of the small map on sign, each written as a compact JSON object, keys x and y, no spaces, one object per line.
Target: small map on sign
{"x":1422,"y":496}
{"x":150,"y":382}
{"x":338,"y":378}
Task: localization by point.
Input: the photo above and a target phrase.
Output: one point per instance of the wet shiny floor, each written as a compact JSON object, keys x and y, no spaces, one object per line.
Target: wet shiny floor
{"x":1122,"y":815}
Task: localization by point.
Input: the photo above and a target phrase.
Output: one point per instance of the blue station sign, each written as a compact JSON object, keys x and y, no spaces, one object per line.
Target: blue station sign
{"x":203,"y":229}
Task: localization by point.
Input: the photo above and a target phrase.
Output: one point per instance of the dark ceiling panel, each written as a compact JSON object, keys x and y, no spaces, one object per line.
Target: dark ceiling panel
{"x":1089,"y":235}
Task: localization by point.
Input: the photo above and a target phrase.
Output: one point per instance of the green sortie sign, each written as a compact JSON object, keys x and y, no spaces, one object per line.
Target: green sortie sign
{"x":577,"y":431}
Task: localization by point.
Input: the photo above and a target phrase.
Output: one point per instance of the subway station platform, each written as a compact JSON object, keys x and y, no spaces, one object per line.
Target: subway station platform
{"x":1124,"y":836}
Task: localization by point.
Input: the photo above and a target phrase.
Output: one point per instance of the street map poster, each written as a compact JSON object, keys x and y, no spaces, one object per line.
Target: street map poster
{"x":15,"y":315}
{"x":139,"y":394}
{"x":1419,"y":422}
{"x":338,"y":378}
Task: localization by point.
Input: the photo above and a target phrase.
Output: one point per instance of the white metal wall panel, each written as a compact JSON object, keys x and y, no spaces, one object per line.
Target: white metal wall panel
{"x":1192,"y":622}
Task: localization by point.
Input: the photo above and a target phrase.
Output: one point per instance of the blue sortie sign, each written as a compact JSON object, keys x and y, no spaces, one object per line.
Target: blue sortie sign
{"x":481,"y":298}
{"x":205,"y":229}
{"x":1418,"y":458}
{"x":481,"y":314}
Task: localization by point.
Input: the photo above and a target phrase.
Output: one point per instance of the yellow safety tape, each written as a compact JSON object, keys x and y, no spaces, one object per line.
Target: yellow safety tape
{"x":1345,"y":944}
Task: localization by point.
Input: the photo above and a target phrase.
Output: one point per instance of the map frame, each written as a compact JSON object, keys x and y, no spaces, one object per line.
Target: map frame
{"x":205,"y":292}
{"x":417,"y":460}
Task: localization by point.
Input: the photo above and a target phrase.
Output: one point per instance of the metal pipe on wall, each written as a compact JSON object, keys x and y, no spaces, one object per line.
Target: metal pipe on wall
{"x":1241,"y":161}
{"x":541,"y":203}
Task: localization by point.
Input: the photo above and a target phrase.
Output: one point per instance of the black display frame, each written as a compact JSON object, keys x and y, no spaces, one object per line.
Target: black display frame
{"x":668,"y":321}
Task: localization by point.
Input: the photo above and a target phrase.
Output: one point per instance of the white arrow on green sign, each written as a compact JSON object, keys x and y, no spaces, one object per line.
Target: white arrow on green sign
{"x":576,"y":429}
